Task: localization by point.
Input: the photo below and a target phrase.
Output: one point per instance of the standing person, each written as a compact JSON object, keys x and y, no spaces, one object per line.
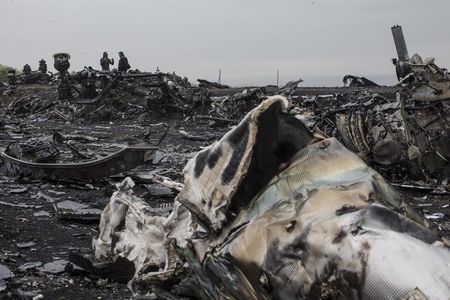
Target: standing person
{"x":105,"y":61}
{"x":43,"y":66}
{"x":123,"y":63}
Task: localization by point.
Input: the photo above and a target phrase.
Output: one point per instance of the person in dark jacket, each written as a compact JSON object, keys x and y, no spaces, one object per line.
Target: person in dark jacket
{"x":105,"y":61}
{"x":123,"y":63}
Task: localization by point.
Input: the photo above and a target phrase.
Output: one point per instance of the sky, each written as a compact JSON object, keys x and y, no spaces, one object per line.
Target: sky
{"x":248,"y":40}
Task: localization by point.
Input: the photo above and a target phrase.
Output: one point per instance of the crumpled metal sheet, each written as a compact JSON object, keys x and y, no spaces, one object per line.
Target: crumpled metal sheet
{"x":122,"y":160}
{"x":400,"y":136}
{"x":131,"y":229}
{"x":330,"y":226}
{"x":326,"y":226}
{"x":429,"y":82}
{"x":214,"y":175}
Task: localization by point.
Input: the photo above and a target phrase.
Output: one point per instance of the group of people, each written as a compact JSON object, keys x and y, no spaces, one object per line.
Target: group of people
{"x":105,"y":62}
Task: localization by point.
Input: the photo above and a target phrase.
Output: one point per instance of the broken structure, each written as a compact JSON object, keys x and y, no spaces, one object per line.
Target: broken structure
{"x":273,"y":211}
{"x":122,"y":160}
{"x":355,"y":81}
{"x":409,"y":131}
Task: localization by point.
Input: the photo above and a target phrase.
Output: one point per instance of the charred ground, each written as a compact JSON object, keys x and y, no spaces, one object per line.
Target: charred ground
{"x":27,"y":211}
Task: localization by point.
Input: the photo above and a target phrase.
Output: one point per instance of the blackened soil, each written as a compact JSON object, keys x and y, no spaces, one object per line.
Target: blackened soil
{"x":54,"y":239}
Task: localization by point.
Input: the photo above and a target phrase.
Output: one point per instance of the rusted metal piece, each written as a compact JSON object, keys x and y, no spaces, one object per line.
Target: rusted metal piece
{"x":122,"y":160}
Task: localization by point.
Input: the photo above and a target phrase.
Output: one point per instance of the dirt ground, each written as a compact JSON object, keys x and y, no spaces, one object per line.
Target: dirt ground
{"x":53,"y":239}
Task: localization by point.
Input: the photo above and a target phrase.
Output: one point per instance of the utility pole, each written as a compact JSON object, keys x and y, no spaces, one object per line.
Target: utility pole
{"x":278,"y":78}
{"x":220,"y":76}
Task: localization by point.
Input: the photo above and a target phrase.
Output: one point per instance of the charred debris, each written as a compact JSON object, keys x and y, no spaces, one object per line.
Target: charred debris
{"x":203,"y":191}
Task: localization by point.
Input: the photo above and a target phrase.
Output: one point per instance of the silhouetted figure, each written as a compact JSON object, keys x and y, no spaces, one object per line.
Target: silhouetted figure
{"x":88,"y":88}
{"x":43,"y":66}
{"x":124,"y":66}
{"x":26,"y":69}
{"x":105,"y":61}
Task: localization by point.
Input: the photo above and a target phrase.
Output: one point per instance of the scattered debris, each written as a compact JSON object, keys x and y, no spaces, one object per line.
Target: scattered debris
{"x":29,"y":266}
{"x":211,"y":85}
{"x":18,"y":190}
{"x":41,"y":213}
{"x":278,"y":204}
{"x":289,"y":88}
{"x":158,"y":190}
{"x":74,"y":211}
{"x":21,"y":205}
{"x":5,"y":274}
{"x":355,"y":81}
{"x":120,"y":270}
{"x":168,"y":182}
{"x":48,"y":198}
{"x":239,"y":193}
{"x":122,"y":160}
{"x":234,"y":107}
{"x":25,"y":245}
{"x":191,"y":137}
{"x":435,"y":216}
{"x":55,"y":267}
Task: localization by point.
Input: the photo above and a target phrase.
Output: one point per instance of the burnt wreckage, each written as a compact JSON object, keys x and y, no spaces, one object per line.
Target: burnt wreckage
{"x":407,"y":133}
{"x":291,"y":203}
{"x":276,"y":211}
{"x":273,"y":211}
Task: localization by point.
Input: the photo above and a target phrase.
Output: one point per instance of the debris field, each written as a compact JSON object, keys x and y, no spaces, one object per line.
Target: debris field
{"x":119,"y":185}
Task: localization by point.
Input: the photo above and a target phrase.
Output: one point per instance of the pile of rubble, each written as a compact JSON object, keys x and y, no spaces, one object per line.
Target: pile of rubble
{"x":250,"y":223}
{"x":211,"y":192}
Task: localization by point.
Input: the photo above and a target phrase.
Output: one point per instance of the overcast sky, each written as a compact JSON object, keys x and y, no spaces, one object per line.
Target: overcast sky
{"x":317,"y":40}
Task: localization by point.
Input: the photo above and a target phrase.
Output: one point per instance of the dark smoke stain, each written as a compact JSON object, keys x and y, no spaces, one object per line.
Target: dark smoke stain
{"x":279,"y":137}
{"x":340,"y":236}
{"x":319,"y":288}
{"x":399,"y":223}
{"x":200,"y":162}
{"x":238,"y":140}
{"x":214,"y":157}
{"x":346,"y":209}
{"x":364,"y":256}
{"x":206,"y":157}
{"x":290,"y":227}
